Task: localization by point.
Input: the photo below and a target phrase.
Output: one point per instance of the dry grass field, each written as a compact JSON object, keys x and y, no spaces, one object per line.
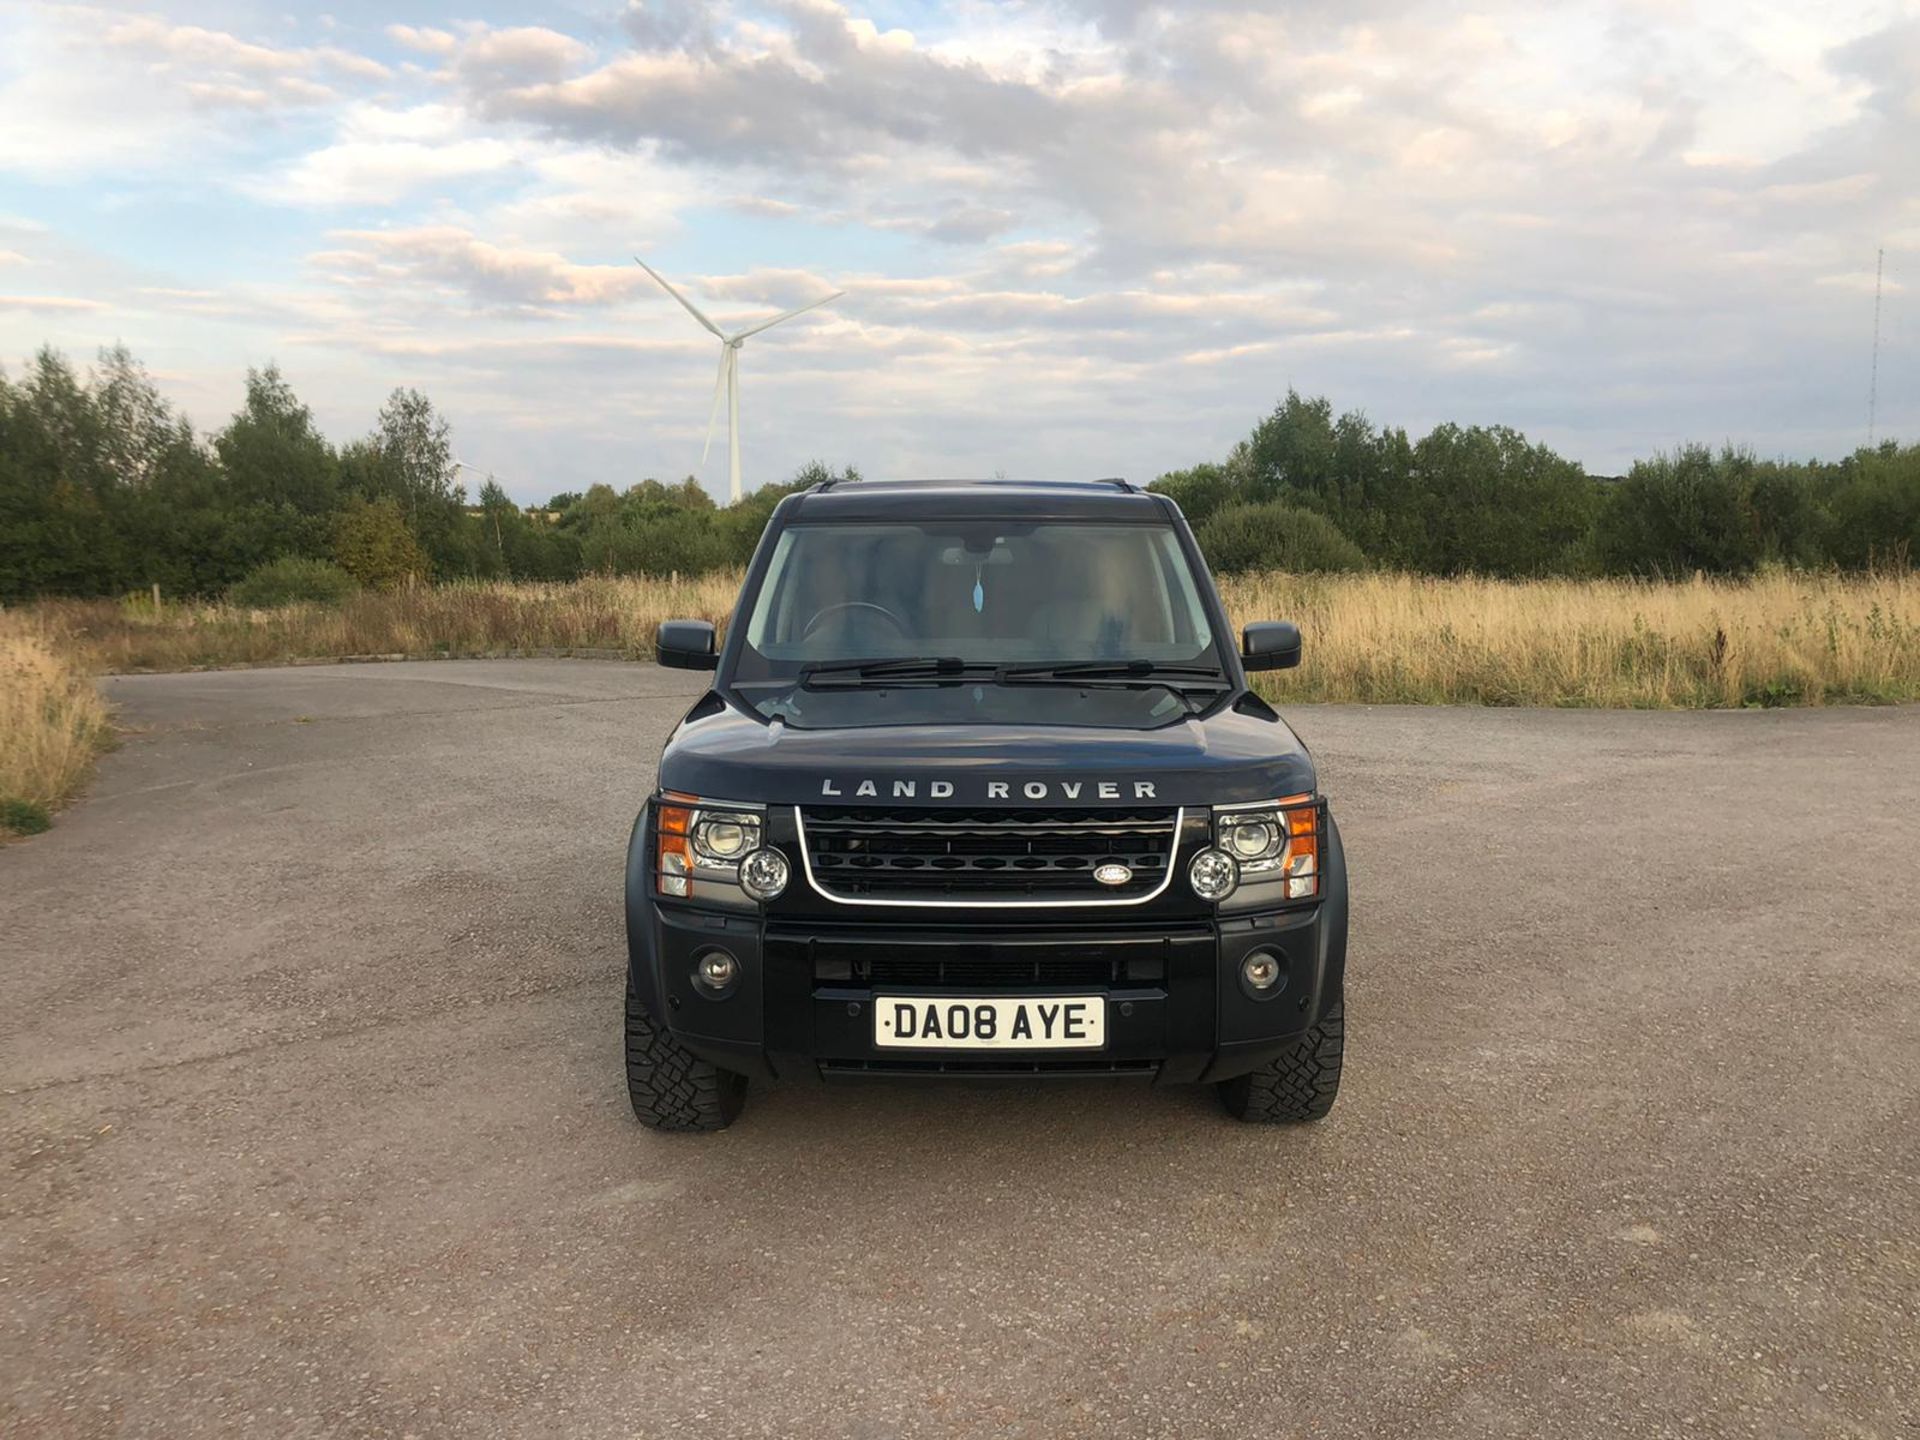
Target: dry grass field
{"x":1778,"y":639}
{"x":424,"y":622}
{"x":53,"y":724}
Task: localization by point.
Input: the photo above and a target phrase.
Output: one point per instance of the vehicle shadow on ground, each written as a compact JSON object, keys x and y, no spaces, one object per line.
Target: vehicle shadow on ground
{"x":921,"y":1146}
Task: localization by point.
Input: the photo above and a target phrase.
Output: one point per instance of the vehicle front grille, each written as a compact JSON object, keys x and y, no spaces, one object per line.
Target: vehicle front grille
{"x":987,"y":857}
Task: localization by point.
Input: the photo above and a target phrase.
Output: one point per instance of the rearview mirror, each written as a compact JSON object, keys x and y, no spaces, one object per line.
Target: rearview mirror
{"x":686,"y":645}
{"x":1270,"y":645}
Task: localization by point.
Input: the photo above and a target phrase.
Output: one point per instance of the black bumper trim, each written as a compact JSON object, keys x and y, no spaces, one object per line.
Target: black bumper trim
{"x":1192,"y":1021}
{"x":988,"y":1070}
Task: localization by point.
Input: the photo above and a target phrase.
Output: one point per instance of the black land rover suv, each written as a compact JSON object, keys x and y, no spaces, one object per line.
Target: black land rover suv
{"x":980,"y":790}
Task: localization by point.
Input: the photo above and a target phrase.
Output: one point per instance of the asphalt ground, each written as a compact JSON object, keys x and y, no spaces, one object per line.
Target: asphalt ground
{"x":312,"y":1119}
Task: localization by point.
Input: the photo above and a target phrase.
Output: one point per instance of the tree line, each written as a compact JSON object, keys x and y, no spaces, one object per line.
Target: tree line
{"x":1311,"y":491}
{"x":105,"y":489}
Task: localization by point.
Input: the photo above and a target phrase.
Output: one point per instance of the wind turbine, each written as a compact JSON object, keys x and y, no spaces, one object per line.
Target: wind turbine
{"x":729,"y":377}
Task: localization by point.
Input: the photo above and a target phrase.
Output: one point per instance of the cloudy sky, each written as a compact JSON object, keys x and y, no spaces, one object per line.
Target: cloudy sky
{"x":1080,"y":237}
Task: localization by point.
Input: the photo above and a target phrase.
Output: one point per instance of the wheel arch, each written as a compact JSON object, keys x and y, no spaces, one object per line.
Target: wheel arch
{"x":643,"y":936}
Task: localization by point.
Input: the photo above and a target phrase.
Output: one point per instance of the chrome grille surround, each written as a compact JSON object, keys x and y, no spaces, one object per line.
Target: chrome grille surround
{"x":1016,"y":858}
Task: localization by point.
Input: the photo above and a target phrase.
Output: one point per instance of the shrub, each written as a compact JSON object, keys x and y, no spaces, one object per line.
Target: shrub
{"x":1680,"y":513}
{"x":1201,"y":491}
{"x":293,"y":580}
{"x":1876,"y":508}
{"x":657,"y":542}
{"x":1276,"y":536}
{"x":24,"y":817}
{"x":373,"y":545}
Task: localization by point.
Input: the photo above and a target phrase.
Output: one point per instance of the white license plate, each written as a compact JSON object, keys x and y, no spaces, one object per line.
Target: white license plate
{"x":958,"y":1022}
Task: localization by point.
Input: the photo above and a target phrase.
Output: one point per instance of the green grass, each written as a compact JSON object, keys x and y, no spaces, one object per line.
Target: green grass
{"x":24,"y":817}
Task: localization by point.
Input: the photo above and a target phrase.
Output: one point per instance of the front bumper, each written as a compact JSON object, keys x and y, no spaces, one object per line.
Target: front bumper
{"x":802,"y":1006}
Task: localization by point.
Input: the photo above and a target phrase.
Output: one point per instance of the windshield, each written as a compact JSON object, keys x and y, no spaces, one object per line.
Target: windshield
{"x":1004,"y":599}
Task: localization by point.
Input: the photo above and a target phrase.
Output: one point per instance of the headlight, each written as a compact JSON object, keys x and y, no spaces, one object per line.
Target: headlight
{"x":724,"y":837}
{"x":703,"y":843}
{"x":1250,"y":837}
{"x":1276,"y":845}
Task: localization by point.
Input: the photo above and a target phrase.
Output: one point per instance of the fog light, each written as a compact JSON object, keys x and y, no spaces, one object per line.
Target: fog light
{"x":1261,"y":970}
{"x":716,"y":970}
{"x":1213,"y":875}
{"x":763,"y":874}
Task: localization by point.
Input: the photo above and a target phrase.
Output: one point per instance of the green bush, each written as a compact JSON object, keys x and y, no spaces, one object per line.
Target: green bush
{"x":373,"y":545}
{"x":1276,"y":536}
{"x":24,"y":817}
{"x":1875,"y":499}
{"x":1678,"y":513}
{"x":1200,"y":491}
{"x":293,"y":580}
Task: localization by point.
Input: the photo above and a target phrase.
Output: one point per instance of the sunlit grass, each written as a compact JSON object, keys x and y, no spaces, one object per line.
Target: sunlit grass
{"x":616,"y":616}
{"x":53,"y":724}
{"x":1781,"y":638}
{"x":1778,"y":639}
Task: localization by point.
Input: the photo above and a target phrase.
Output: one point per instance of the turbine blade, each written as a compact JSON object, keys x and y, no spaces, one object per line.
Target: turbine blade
{"x":713,"y":411}
{"x":797,"y":310}
{"x":690,"y":307}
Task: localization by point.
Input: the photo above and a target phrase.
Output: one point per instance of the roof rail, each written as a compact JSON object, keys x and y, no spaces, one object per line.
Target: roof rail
{"x":832,"y":480}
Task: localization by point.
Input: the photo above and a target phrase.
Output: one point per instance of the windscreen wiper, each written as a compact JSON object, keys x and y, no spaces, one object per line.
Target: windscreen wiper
{"x":1119,"y":675}
{"x":906,"y":667}
{"x":1114,"y":669}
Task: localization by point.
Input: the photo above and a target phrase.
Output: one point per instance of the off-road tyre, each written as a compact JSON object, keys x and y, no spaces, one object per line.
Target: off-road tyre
{"x":671,"y":1087}
{"x":1300,"y":1085}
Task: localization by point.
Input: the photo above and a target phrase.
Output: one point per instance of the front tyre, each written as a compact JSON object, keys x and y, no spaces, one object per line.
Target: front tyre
{"x":671,"y":1087}
{"x":1300,"y":1085}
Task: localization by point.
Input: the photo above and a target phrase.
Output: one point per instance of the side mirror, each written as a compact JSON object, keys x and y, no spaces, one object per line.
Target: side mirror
{"x":1270,"y":645}
{"x":686,"y":645}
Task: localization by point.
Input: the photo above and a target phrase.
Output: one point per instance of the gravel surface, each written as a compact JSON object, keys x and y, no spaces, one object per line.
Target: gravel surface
{"x":312,"y":1119}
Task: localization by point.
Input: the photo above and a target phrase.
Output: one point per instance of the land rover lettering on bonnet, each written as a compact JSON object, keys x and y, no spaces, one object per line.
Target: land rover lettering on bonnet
{"x":991,"y":789}
{"x":981,"y":791}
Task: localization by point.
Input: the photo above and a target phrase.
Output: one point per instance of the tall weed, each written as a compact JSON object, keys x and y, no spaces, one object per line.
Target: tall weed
{"x":53,"y":724}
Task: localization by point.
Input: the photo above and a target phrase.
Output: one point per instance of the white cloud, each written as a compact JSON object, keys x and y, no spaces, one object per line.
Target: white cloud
{"x":382,"y":172}
{"x":87,"y":90}
{"x":446,"y":255}
{"x":425,"y":39}
{"x":193,"y":54}
{"x":1078,"y":234}
{"x":381,"y":155}
{"x":203,"y":50}
{"x":518,"y":55}
{"x":49,"y":302}
{"x":346,"y":62}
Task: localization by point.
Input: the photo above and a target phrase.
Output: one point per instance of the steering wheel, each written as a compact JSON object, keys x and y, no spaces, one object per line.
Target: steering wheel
{"x":880,"y":610}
